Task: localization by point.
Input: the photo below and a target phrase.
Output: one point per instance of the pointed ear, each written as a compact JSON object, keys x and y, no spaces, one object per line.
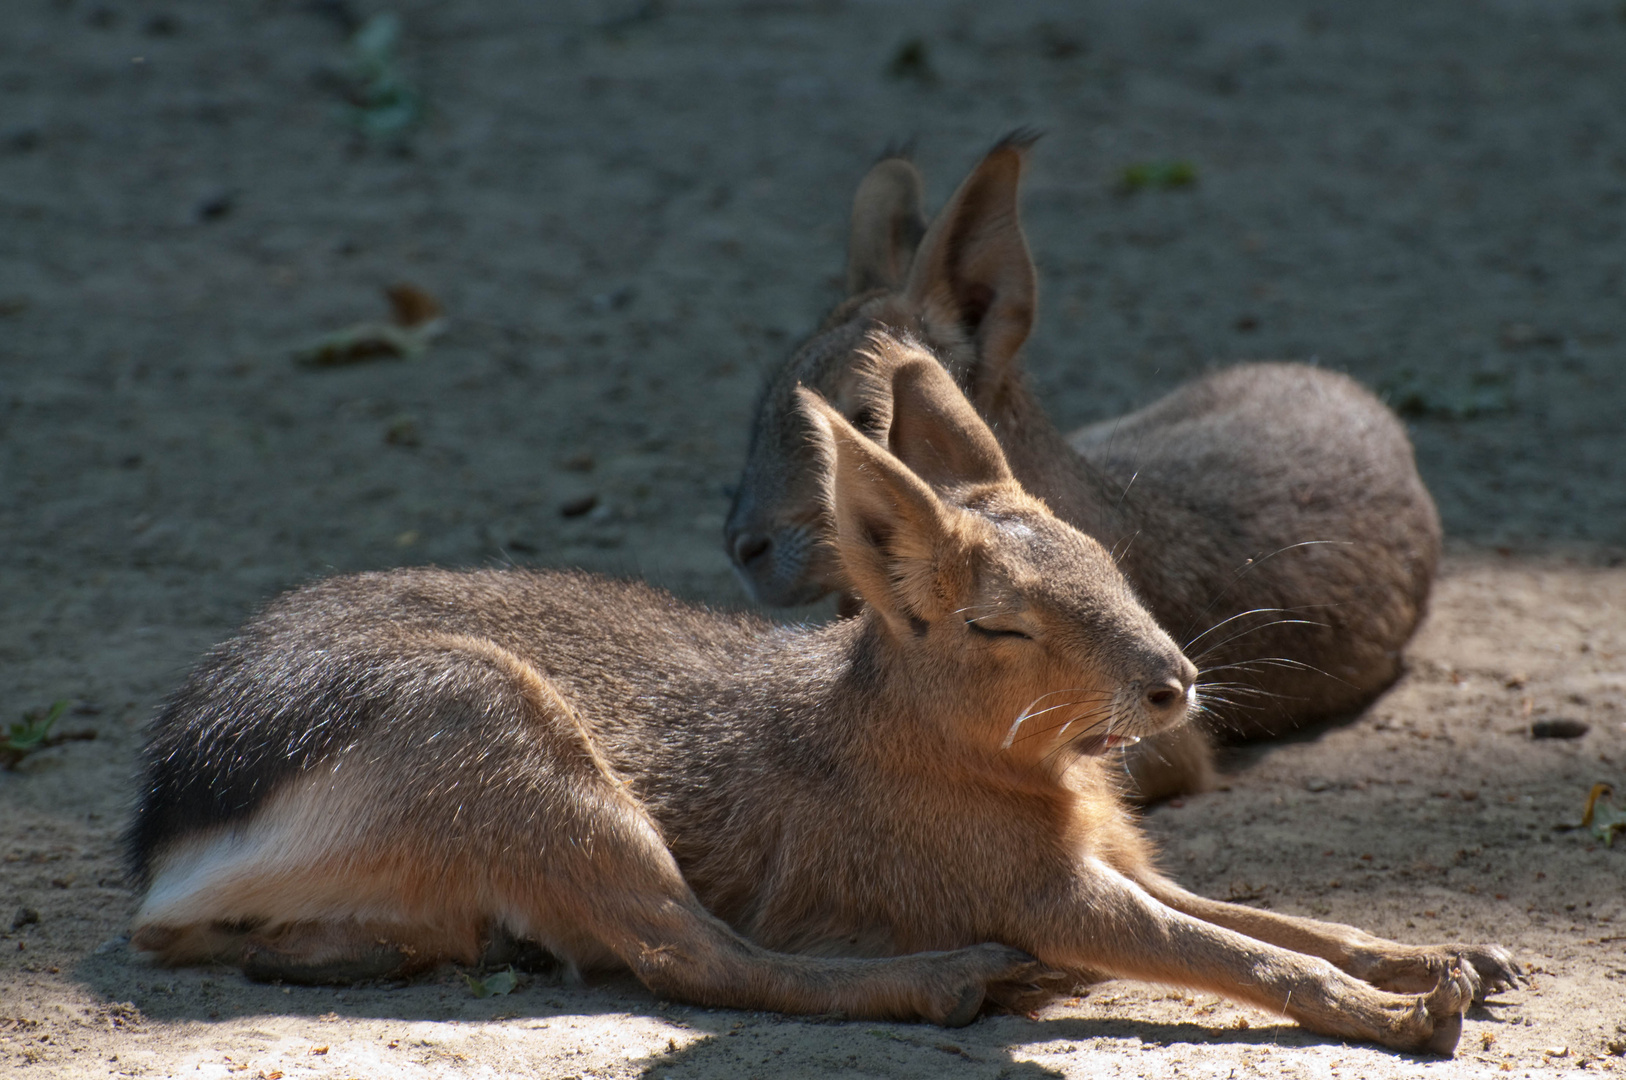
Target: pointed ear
{"x":887,"y":226}
{"x":973,"y":271}
{"x":934,"y":429}
{"x":892,"y":533}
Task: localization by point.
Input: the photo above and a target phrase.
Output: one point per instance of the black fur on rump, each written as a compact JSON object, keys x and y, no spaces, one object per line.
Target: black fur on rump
{"x":259,"y":709}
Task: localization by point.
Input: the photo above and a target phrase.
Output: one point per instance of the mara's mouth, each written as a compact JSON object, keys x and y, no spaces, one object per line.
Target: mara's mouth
{"x":1097,"y":745}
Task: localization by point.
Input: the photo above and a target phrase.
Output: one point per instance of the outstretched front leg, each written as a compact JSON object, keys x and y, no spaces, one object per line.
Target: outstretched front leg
{"x":1109,"y":924}
{"x":1388,"y":965}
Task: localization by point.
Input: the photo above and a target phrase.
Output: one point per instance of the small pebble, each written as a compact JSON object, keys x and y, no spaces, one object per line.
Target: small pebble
{"x":215,"y":206}
{"x":1561,"y":728}
{"x":578,"y":506}
{"x":403,"y":431}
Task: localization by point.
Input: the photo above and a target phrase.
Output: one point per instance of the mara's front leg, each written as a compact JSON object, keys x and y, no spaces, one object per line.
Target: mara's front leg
{"x":1388,"y":965}
{"x":1109,"y":924}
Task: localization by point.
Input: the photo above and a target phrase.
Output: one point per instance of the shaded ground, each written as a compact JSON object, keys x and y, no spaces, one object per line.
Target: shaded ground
{"x":628,"y":212}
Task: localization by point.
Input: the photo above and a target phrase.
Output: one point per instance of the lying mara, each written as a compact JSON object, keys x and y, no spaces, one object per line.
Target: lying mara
{"x":908,"y":814}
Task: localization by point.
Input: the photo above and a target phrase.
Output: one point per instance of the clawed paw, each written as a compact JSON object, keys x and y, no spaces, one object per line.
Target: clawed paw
{"x":1439,"y":1012}
{"x":1454,"y":994}
{"x":1002,"y":963}
{"x":1489,"y":969}
{"x":1030,"y":989}
{"x":1493,"y":969}
{"x":1021,"y":984}
{"x":991,"y":976}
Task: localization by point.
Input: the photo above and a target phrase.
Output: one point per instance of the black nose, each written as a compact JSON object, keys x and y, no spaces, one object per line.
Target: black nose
{"x":750,"y":548}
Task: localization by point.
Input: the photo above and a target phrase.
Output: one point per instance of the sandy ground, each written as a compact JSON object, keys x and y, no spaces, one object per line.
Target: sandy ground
{"x":629,"y":211}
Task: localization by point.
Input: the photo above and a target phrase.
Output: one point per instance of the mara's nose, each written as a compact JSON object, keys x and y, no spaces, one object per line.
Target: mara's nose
{"x":749,"y":548}
{"x":1173,"y":691}
{"x":1166,"y":696}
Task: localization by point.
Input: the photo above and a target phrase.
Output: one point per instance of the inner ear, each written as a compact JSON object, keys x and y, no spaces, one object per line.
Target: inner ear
{"x":973,"y":270}
{"x":874,"y":533}
{"x":892,"y":533}
{"x":975,"y":300}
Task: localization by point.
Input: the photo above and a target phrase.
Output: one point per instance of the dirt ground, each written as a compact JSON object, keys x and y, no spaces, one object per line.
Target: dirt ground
{"x":629,"y":210}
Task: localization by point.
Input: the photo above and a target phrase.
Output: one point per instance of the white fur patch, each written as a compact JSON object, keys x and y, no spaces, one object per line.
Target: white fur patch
{"x":285,"y":864}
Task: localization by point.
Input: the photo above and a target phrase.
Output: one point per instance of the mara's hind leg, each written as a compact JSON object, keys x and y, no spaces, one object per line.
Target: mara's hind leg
{"x":600,"y":878}
{"x":484,"y":808}
{"x":329,"y":952}
{"x":680,"y":951}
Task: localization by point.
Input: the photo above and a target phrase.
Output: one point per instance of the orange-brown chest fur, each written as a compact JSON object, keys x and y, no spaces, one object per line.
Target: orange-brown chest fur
{"x":921,"y":851}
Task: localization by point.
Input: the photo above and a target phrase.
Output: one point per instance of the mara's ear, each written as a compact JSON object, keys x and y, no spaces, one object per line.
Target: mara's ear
{"x":973,"y":271}
{"x":908,"y":398}
{"x":887,"y":225}
{"x":892,"y":533}
{"x":934,"y":430}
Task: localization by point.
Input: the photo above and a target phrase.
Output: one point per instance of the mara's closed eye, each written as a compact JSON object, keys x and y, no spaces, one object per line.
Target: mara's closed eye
{"x":995,"y":631}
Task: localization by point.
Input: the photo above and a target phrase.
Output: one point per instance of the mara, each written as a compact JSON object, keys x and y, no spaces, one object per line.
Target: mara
{"x":1268,"y":515}
{"x":908,"y":814}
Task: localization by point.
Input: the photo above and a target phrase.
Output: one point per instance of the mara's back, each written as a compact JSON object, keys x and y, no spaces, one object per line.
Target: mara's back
{"x":1311,"y":510}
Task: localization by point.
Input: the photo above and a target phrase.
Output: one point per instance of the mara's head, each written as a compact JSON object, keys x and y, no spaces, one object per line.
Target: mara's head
{"x":964,"y":285}
{"x":993,"y":613}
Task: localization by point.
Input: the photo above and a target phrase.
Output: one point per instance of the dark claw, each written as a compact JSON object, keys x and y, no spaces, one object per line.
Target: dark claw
{"x":1496,"y":970}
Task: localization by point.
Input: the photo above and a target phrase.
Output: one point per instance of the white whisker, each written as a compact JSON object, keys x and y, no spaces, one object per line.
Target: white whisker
{"x":1251,"y":565}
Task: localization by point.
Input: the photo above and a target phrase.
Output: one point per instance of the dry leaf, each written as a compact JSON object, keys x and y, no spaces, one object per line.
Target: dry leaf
{"x":417,"y":321}
{"x":1602,"y":816}
{"x":366,"y":341}
{"x":411,"y":305}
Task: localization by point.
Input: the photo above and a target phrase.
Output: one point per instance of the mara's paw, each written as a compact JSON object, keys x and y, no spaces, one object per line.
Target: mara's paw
{"x":1490,"y":966}
{"x":1434,"y":1023}
{"x":1489,"y":969}
{"x":984,"y":975}
{"x":1032,"y":990}
{"x":317,"y":955}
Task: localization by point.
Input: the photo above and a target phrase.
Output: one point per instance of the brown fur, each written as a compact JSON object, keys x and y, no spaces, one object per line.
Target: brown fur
{"x":1269,"y":515}
{"x":890,"y":816}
